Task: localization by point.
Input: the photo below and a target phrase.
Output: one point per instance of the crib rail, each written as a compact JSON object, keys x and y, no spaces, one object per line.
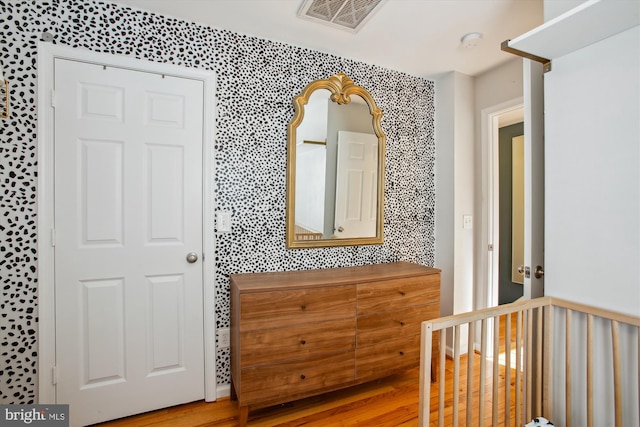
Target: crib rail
{"x":302,"y":233}
{"x":509,"y":377}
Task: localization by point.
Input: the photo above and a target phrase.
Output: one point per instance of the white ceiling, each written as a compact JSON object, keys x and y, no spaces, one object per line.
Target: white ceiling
{"x":418,"y":37}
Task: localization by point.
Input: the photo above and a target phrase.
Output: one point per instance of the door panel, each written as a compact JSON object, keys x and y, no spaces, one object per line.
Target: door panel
{"x":164,"y":188}
{"x":128,"y":209}
{"x":102,"y":343}
{"x":166,"y":324}
{"x":101,"y":196}
{"x":533,"y":177}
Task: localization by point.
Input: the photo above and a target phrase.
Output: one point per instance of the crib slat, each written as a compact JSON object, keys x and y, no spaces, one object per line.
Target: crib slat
{"x":483,"y":373}
{"x":589,"y":370}
{"x":507,"y":371}
{"x":548,"y":362}
{"x":528,"y":378}
{"x":424,"y":410}
{"x":496,"y":366}
{"x":518,"y":365}
{"x":539,"y":331}
{"x":443,"y":350}
{"x":617,"y":374}
{"x":470,"y":334}
{"x":567,"y":358}
{"x":456,"y":373}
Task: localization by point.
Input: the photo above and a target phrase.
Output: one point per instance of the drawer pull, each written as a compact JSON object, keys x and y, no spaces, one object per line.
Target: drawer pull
{"x":402,"y":293}
{"x":401,"y":353}
{"x":303,"y":307}
{"x":303,"y":342}
{"x":401,"y":323}
{"x":302,"y":377}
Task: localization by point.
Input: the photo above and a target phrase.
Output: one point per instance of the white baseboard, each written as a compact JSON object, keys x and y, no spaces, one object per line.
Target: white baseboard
{"x":223,"y":390}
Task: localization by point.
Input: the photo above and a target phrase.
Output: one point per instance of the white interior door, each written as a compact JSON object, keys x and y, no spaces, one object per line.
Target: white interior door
{"x":356,"y":185}
{"x":533,"y":179}
{"x":128,"y":210}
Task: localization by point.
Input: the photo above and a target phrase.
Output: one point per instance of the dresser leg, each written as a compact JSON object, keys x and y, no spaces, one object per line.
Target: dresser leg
{"x":243,"y":416}
{"x":234,"y":395}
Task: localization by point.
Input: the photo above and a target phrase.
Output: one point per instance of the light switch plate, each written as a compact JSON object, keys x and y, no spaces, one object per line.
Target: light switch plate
{"x":224,"y":222}
{"x":467,"y":221}
{"x":224,"y":340}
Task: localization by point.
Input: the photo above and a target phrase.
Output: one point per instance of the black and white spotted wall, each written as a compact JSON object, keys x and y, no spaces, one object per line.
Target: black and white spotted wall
{"x":256,"y":81}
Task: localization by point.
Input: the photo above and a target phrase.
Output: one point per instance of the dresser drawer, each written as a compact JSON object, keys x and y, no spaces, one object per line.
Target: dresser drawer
{"x":391,"y":294}
{"x":387,"y":357}
{"x":289,"y":307}
{"x":276,"y":345}
{"x":269,"y":382}
{"x":388,"y":325}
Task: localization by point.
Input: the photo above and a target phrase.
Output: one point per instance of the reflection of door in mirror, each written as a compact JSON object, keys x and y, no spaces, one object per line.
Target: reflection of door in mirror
{"x":356,"y":185}
{"x":352,"y":117}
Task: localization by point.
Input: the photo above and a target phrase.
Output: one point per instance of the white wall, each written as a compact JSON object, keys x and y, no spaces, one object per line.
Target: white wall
{"x":592,"y":161}
{"x":464,"y":192}
{"x":311,"y":166}
{"x":454,"y":186}
{"x":445,"y":135}
{"x":499,"y":84}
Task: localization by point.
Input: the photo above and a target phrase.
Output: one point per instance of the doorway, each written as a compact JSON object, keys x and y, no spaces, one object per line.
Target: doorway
{"x":493,"y":119}
{"x":511,"y":211}
{"x":98,"y":194}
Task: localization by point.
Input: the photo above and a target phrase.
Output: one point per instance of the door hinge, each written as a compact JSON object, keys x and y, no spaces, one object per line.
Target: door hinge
{"x":53,"y":98}
{"x":53,"y":237}
{"x":54,"y":375}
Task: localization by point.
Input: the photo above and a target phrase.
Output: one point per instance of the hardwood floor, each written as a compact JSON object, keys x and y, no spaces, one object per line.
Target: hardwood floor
{"x":390,"y":402}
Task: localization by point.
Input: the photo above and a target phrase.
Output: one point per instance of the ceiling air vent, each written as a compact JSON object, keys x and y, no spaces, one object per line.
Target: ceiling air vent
{"x":348,"y":15}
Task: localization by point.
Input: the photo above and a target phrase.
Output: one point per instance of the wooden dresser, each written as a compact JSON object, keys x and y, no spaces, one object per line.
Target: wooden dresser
{"x":301,"y":333}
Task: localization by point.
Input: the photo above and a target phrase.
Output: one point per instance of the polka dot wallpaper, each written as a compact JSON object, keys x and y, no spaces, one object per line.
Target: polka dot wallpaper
{"x":256,"y":80}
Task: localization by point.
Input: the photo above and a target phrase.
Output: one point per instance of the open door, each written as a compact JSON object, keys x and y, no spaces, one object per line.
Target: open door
{"x":532,"y":105}
{"x":533,"y":268}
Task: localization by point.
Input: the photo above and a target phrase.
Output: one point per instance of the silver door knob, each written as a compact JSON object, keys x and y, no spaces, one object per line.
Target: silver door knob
{"x":192,"y":257}
{"x":538,"y":272}
{"x":340,"y":229}
{"x":525,"y":271}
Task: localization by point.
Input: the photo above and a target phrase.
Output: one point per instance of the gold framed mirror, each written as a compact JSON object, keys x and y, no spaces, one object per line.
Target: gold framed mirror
{"x":335,"y":166}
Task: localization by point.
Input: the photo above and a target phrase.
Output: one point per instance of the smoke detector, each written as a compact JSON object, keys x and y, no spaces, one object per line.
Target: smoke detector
{"x":348,"y":15}
{"x":471,"y":40}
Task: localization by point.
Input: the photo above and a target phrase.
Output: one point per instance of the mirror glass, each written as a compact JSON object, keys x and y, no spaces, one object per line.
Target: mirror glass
{"x":335,"y":167}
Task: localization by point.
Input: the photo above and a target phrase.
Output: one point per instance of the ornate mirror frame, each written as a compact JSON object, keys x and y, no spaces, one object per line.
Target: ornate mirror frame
{"x":341,"y":88}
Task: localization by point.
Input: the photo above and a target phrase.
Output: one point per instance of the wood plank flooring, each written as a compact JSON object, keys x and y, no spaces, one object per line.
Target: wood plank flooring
{"x":390,"y":402}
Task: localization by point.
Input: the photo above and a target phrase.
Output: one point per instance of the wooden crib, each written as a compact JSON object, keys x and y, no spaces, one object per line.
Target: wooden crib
{"x":541,"y":363}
